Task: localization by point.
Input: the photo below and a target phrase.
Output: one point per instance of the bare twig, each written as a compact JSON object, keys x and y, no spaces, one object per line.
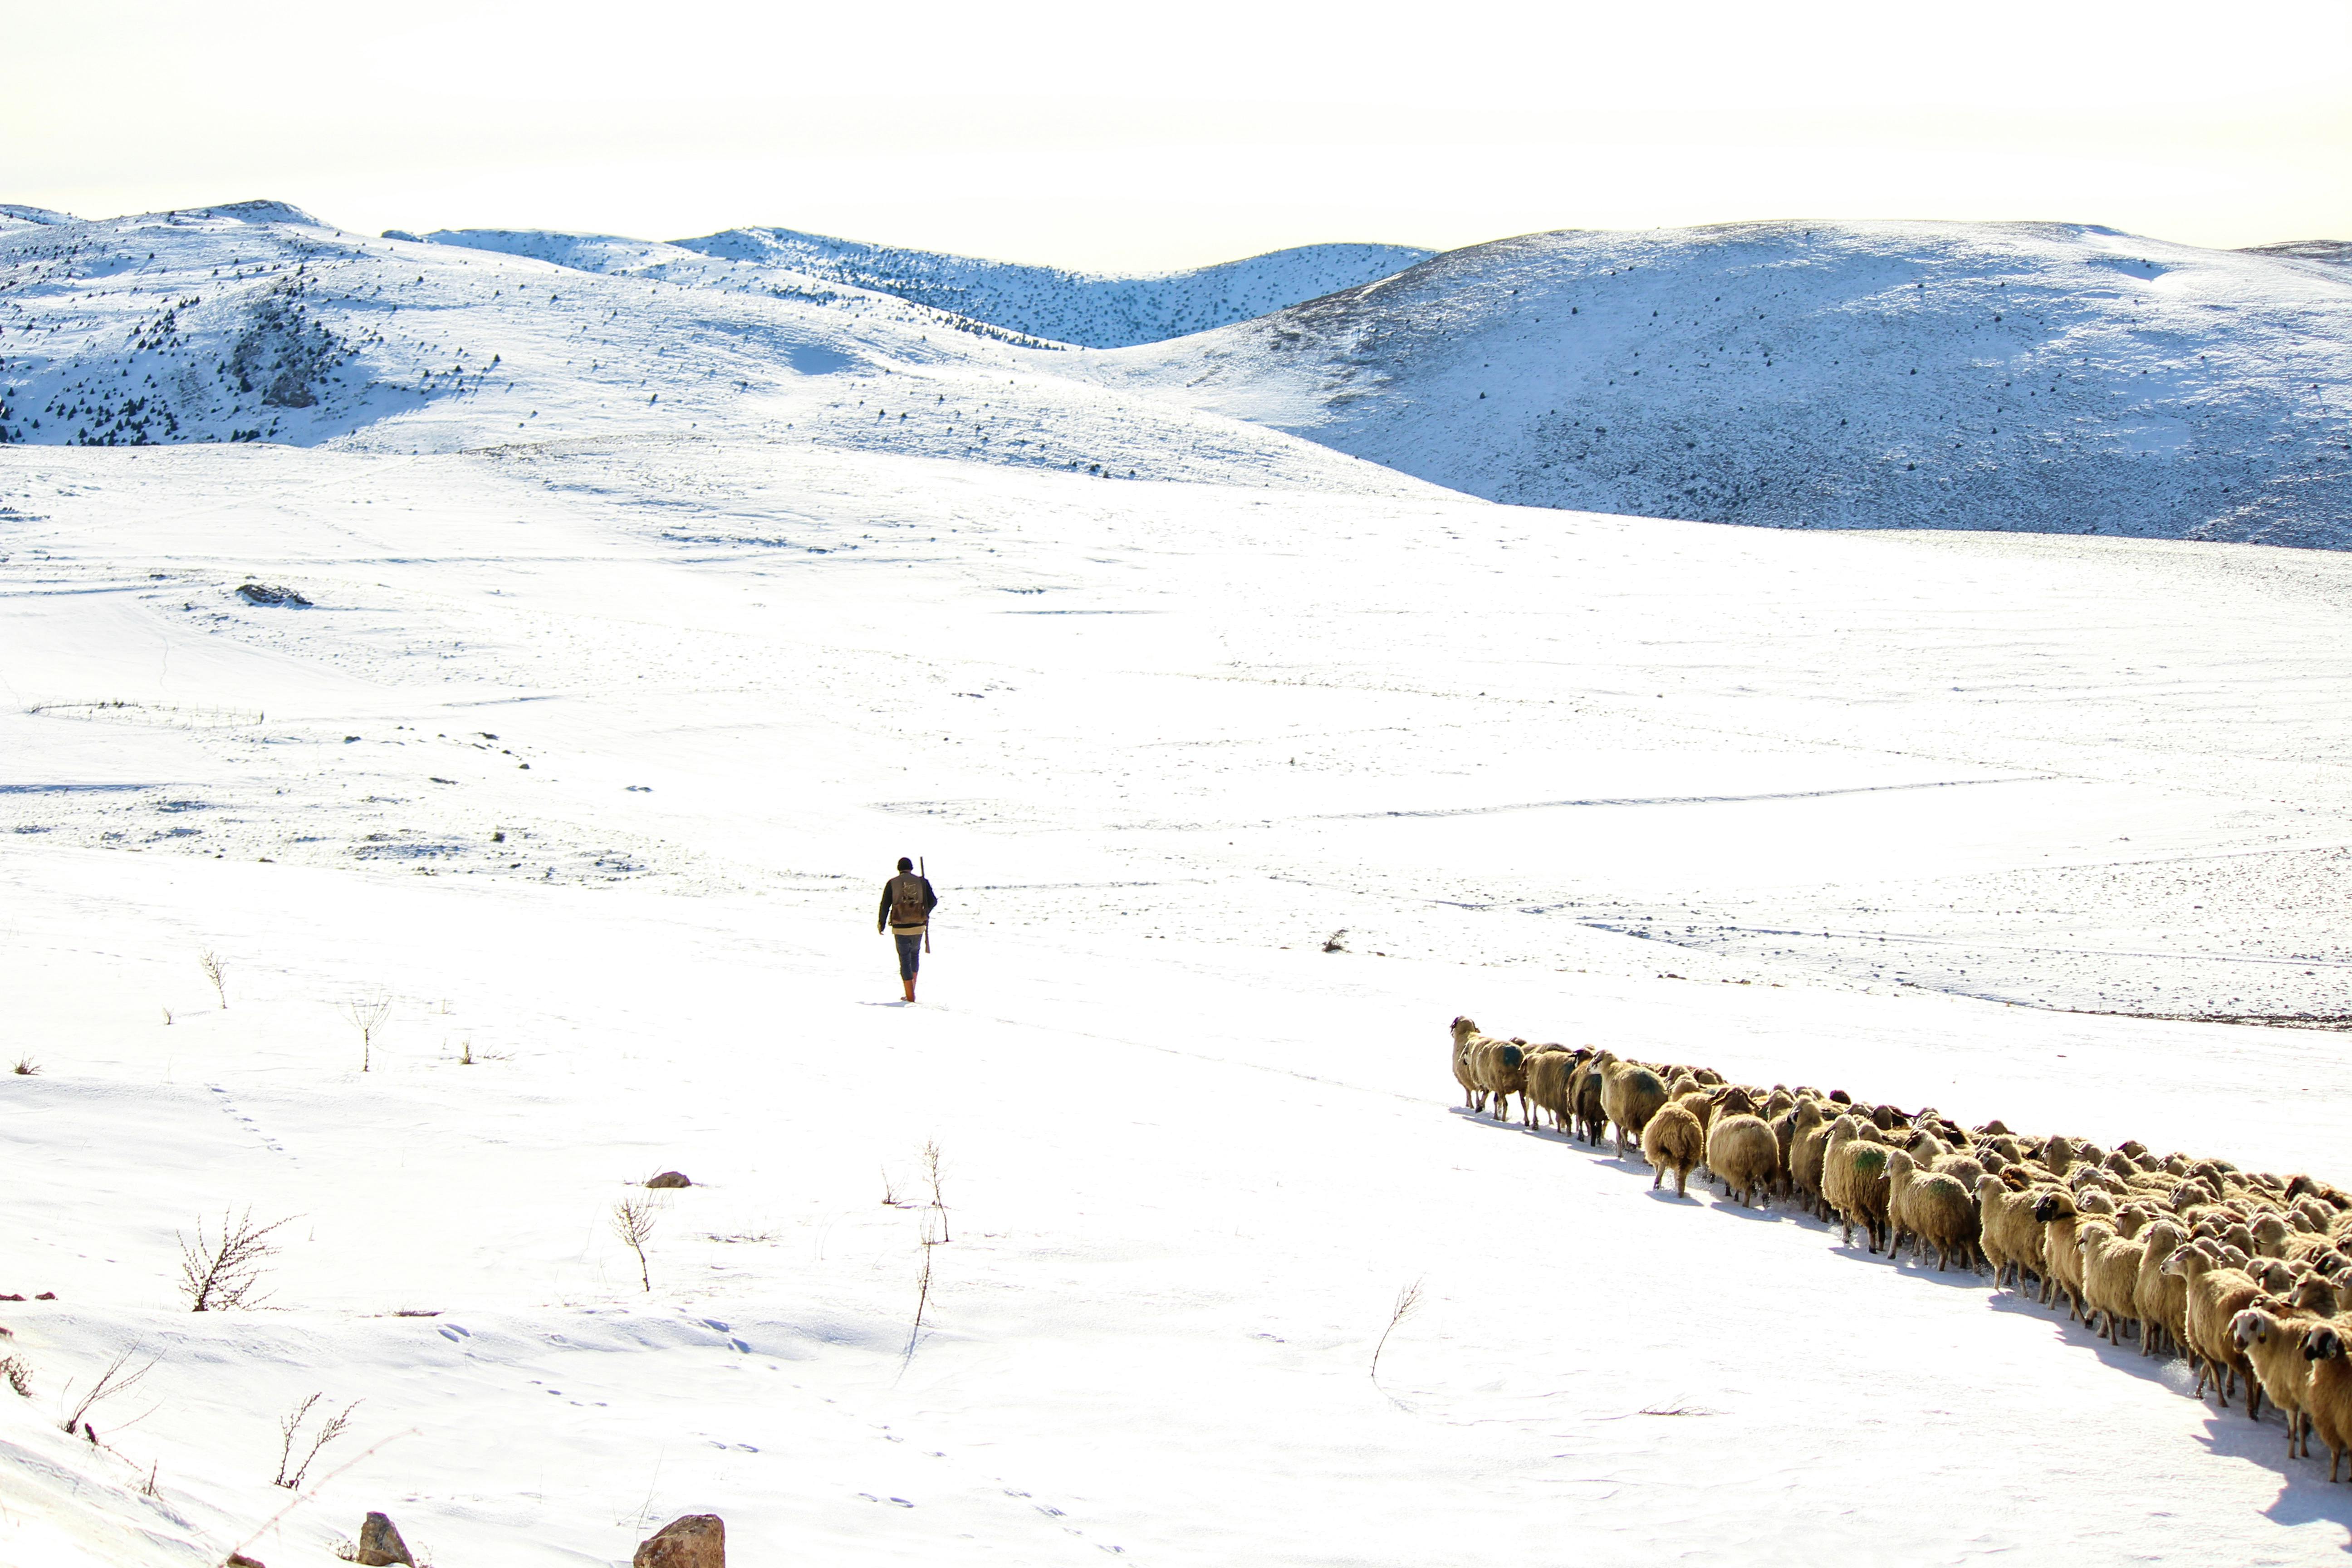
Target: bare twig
{"x":1332,"y":943}
{"x":1407,"y":1301}
{"x":210,"y":963}
{"x":114,"y":1379}
{"x":367,"y":1014}
{"x":329,"y":1430}
{"x":288,"y":1425}
{"x":633,"y":1222}
{"x":889,"y":1189}
{"x":922,"y":1295}
{"x":932,"y":1175}
{"x":220,"y":1276}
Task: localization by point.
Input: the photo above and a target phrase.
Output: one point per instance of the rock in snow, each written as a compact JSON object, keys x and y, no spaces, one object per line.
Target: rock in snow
{"x":690,"y":1541}
{"x":670,"y":1179}
{"x":380,"y":1545}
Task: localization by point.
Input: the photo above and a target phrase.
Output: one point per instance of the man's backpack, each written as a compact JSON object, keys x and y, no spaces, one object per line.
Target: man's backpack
{"x":908,"y":907}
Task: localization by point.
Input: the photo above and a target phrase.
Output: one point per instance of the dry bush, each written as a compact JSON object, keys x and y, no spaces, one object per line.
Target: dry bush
{"x":289,"y":1427}
{"x":219,"y":1275}
{"x":1408,"y":1300}
{"x":119,"y":1377}
{"x":209,"y":961}
{"x":931,"y":1178}
{"x":19,"y":1374}
{"x":25,"y":1066}
{"x":633,"y":1222}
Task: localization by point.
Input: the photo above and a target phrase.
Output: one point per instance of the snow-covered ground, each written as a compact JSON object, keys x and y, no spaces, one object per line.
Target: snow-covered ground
{"x":588,"y":755}
{"x":2053,"y":377}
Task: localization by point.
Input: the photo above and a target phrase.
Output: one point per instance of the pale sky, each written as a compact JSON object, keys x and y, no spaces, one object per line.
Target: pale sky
{"x":1145,"y":137}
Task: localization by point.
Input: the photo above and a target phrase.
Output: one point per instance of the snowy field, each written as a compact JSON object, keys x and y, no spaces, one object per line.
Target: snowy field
{"x":589,"y":750}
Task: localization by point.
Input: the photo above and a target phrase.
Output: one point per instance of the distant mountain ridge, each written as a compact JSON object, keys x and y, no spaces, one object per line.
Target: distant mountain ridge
{"x":1090,"y":309}
{"x":2039,"y":377}
{"x":1045,"y":304}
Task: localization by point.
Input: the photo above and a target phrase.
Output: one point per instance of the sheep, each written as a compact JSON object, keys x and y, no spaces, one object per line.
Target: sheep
{"x":1502,"y":1070}
{"x":1548,"y":1070}
{"x":1674,"y":1139}
{"x":1733,"y":1100}
{"x":1584,"y":1095}
{"x":1743,"y":1153}
{"x":1466,"y":1033}
{"x":1631,"y":1094}
{"x":1808,"y":1142}
{"x":2328,"y":1396}
{"x":1965,"y":1168}
{"x":2110,"y":1266}
{"x":2161,"y":1300}
{"x":1854,"y":1180}
{"x":1940,"y":1212}
{"x":2010,"y":1236}
{"x":2270,"y":1335}
{"x":2060,"y":1214}
{"x":2216,"y":1293}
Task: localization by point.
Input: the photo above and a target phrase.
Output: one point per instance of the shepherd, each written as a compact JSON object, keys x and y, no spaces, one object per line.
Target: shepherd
{"x":907,"y":905}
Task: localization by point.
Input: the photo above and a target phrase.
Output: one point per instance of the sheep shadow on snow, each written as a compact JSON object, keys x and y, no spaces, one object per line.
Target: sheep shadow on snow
{"x":2304,"y":1495}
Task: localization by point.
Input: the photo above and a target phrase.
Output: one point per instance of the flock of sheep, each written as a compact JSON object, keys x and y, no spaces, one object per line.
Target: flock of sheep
{"x":2238,"y":1272}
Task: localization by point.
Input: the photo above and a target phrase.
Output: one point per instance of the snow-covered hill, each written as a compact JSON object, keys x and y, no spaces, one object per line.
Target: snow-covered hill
{"x":2025,"y":376}
{"x":257,"y":323}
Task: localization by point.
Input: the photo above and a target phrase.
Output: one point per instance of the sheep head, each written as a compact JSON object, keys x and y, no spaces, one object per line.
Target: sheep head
{"x":2054,"y":1205}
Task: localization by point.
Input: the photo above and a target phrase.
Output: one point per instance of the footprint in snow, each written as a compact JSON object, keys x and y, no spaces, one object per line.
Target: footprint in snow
{"x":453,"y":1333}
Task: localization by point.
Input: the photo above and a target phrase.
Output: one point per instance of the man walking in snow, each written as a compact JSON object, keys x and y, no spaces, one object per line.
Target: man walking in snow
{"x":907,"y":905}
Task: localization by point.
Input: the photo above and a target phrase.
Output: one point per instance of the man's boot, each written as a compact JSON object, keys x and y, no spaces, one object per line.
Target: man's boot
{"x":910,"y":989}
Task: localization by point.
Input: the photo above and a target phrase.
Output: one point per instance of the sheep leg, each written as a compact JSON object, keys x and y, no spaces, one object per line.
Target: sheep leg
{"x":1682,"y":1178}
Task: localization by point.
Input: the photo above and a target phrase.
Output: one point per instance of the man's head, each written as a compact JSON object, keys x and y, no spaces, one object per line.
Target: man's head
{"x":905,"y":864}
